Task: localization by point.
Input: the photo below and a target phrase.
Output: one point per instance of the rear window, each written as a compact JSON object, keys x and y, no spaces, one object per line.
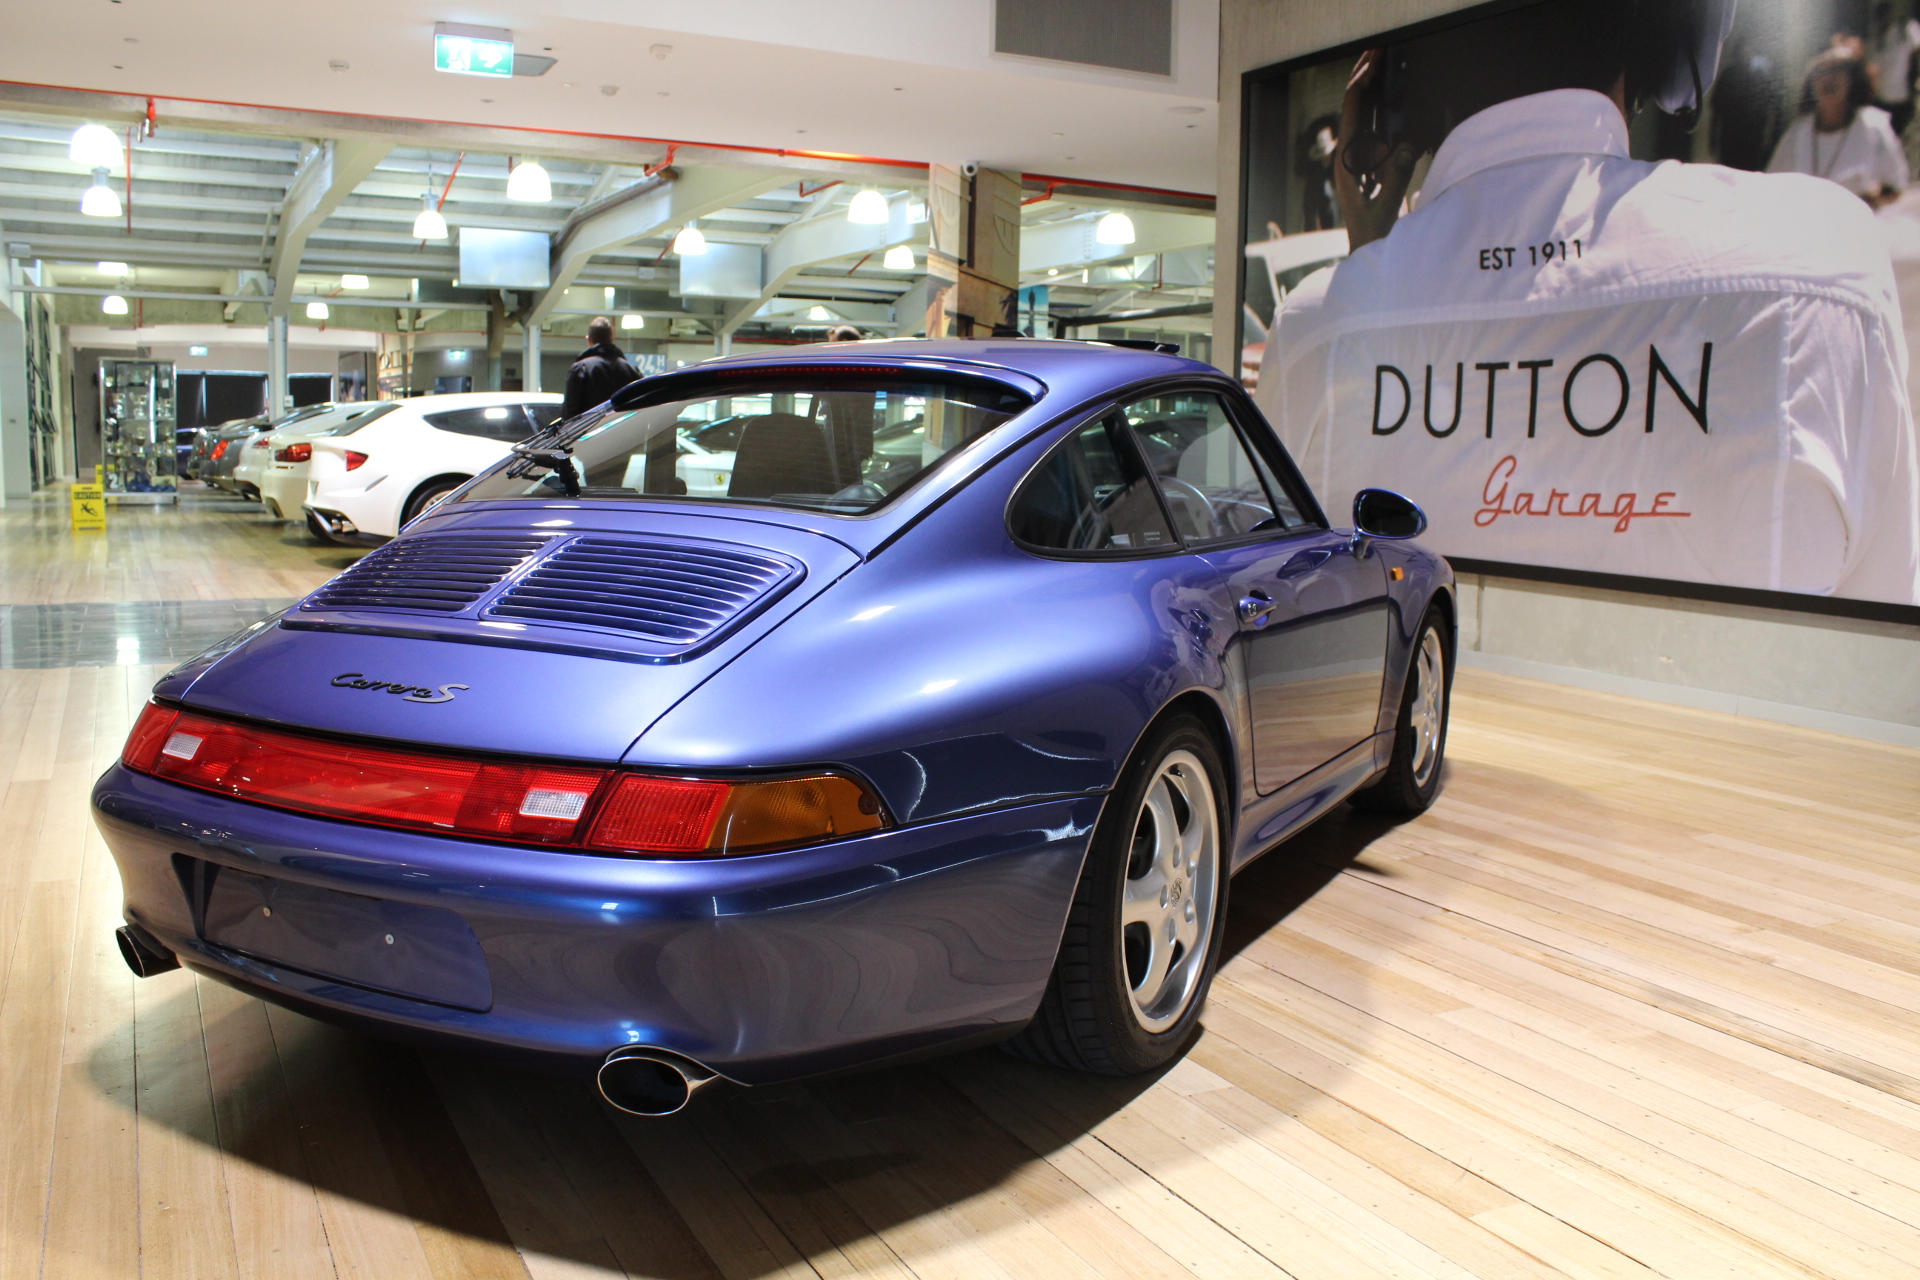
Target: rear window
{"x":845,"y":444}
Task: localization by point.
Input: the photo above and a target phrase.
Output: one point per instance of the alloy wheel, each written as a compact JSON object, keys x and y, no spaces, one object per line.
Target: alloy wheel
{"x":1427,"y":715}
{"x":1171,"y":891}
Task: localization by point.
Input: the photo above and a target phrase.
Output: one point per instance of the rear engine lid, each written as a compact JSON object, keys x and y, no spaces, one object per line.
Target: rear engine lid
{"x":638,"y":597}
{"x":531,"y":642}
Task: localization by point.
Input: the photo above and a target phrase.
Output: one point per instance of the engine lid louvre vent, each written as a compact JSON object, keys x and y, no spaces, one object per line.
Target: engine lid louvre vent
{"x":431,"y":575}
{"x":673,"y":593}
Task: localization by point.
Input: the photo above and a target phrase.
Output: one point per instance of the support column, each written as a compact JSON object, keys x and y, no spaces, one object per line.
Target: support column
{"x":530,"y":358}
{"x":990,"y":274}
{"x":973,"y":258}
{"x":279,"y":389}
{"x":16,"y":471}
{"x":496,"y":342}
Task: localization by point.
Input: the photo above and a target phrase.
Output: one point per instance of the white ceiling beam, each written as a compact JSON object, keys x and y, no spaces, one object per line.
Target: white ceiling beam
{"x":321,"y":185}
{"x":286,"y":122}
{"x":675,"y":197}
{"x":1072,"y":245}
{"x":827,"y":237}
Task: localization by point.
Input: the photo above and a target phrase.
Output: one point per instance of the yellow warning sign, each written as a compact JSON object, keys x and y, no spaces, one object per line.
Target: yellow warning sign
{"x":89,"y":507}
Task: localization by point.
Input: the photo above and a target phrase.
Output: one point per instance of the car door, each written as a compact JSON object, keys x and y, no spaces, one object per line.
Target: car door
{"x":1312,"y":612}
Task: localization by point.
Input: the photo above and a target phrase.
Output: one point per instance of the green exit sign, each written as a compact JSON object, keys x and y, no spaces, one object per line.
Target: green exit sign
{"x":472,"y":51}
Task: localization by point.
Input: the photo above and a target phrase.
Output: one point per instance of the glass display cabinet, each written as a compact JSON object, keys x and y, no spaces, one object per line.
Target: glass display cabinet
{"x":137,"y":430}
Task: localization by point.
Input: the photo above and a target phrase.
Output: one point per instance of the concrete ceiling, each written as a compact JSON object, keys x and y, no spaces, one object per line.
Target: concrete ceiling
{"x":902,"y":79}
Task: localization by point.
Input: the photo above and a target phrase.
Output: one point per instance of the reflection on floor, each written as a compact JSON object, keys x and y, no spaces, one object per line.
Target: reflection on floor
{"x":1636,"y":999}
{"x":124,"y":635}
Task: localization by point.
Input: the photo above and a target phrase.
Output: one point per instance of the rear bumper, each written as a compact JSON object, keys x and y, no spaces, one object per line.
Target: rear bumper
{"x":339,"y":526}
{"x":762,"y":968}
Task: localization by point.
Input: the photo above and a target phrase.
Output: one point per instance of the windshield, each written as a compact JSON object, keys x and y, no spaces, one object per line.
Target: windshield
{"x":827,"y":443}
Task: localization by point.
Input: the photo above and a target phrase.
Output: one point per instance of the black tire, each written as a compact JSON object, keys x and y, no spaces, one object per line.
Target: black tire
{"x":428,"y":496}
{"x":1087,"y":1019}
{"x":1411,"y":780}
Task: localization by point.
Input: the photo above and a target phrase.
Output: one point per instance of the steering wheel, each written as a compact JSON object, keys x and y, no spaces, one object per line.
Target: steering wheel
{"x":1172,"y":483}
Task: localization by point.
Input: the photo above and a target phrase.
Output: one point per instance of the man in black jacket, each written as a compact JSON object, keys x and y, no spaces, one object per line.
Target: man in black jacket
{"x":597,"y":372}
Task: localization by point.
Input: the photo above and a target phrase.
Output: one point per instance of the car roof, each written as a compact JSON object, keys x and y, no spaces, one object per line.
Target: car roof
{"x":479,"y":399}
{"x":1062,"y":365}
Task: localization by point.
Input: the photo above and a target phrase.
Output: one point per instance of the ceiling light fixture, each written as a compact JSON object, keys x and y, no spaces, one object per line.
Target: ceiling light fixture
{"x":868,"y":207}
{"x":98,"y":200}
{"x":528,"y":183}
{"x":633,"y":322}
{"x":355,"y":282}
{"x":690,"y":243}
{"x":819,"y":313}
{"x":114,"y":305}
{"x":1115,"y":228}
{"x":95,"y":146}
{"x":317,"y":311}
{"x":899,"y":258}
{"x":112,"y":268}
{"x":429,"y":225}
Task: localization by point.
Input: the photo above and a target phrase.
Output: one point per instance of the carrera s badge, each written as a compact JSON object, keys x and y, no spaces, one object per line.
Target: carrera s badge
{"x":411,"y":692}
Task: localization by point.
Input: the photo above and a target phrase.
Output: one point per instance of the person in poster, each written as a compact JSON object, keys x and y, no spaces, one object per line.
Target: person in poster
{"x":1575,"y":359}
{"x":1839,"y":135}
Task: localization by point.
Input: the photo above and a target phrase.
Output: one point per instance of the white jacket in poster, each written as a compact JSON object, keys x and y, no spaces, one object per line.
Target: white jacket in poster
{"x":1574,"y":359}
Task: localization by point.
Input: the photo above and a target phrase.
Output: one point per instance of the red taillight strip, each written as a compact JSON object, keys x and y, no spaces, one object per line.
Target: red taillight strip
{"x":522,"y":803}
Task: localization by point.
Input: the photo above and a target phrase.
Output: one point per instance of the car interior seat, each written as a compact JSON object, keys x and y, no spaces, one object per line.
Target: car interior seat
{"x":781,"y":453}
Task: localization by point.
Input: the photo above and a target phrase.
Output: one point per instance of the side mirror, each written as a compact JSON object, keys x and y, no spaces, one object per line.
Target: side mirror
{"x":1385,"y":515}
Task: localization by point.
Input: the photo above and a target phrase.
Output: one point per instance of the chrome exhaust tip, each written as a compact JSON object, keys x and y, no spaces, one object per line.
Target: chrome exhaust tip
{"x":650,"y":1082}
{"x":143,"y":953}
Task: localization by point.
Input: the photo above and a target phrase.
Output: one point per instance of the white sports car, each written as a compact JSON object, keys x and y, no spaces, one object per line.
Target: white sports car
{"x":276,"y":470}
{"x":369,"y":478}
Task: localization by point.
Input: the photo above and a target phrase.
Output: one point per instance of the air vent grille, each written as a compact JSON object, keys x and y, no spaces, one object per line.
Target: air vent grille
{"x":678,"y":594}
{"x":433,"y":575}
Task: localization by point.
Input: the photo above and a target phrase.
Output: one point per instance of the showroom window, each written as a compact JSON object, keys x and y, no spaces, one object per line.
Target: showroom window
{"x":1091,"y":494}
{"x":1216,"y":488}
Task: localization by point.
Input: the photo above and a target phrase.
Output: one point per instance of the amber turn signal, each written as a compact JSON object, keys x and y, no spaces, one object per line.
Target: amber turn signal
{"x":714,"y":819}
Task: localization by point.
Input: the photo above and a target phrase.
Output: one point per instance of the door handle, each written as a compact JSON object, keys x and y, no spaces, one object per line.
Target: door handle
{"x":1256,"y":610}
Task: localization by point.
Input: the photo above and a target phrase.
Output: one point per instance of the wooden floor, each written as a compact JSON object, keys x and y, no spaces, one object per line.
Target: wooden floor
{"x":1637,"y":998}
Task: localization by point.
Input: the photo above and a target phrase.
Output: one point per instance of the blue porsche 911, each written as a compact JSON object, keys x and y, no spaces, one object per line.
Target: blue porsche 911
{"x":942,"y":715}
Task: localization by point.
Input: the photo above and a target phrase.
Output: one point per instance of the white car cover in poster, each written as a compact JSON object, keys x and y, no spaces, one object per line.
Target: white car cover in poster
{"x":1573,"y":359}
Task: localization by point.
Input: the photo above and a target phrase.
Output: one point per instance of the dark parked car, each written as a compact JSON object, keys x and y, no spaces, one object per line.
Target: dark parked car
{"x":852,"y":760}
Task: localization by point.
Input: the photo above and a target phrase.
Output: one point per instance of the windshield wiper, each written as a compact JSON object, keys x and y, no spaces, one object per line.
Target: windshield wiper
{"x":559,"y":461}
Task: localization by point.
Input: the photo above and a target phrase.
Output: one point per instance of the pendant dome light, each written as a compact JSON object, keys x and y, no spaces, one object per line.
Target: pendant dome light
{"x":1115,"y":228}
{"x":899,"y":258}
{"x":351,"y":281}
{"x":631,"y":322}
{"x":429,"y":224}
{"x":867,"y":207}
{"x":317,"y":311}
{"x":690,"y":243}
{"x":112,"y":268}
{"x":114,"y":305}
{"x":98,"y":200}
{"x":95,"y":146}
{"x":527,"y":183}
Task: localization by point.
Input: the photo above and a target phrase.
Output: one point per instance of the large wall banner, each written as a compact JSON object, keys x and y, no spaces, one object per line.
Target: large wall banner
{"x":1605,"y":285}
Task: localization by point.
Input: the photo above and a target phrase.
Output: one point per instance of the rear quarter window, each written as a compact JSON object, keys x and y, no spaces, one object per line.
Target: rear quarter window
{"x":504,"y":422}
